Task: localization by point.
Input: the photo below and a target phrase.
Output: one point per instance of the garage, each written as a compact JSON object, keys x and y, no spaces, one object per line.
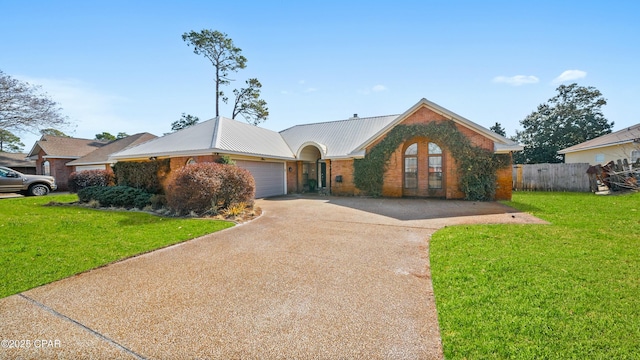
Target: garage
{"x":269,"y":177}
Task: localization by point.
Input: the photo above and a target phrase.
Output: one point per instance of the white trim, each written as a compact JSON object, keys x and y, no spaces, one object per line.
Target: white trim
{"x":496,"y":138}
{"x":321,"y":147}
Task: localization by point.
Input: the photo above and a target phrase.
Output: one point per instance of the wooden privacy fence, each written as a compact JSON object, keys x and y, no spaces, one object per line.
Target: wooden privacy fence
{"x":551,"y":177}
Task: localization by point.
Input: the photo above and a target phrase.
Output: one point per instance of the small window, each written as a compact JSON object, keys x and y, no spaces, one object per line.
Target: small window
{"x":46,"y":168}
{"x":191,"y":161}
{"x":635,"y":155}
{"x":599,"y":158}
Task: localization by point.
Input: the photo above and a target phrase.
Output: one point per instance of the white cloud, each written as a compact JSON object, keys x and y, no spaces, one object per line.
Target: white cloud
{"x":376,"y":88}
{"x":516,"y":80}
{"x":569,"y":75}
{"x":310,"y":90}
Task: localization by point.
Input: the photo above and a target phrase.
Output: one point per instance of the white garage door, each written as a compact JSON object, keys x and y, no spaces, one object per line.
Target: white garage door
{"x":269,"y":177}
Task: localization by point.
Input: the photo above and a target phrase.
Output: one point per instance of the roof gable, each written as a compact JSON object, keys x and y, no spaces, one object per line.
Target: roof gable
{"x":64,"y":147}
{"x":101,"y":155}
{"x":626,"y":135}
{"x":501,"y":143}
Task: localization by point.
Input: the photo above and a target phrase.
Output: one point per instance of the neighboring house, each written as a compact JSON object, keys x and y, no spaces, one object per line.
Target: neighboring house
{"x":18,"y":162}
{"x":98,"y":159}
{"x":619,"y":145}
{"x":285,"y":162}
{"x":52,"y":153}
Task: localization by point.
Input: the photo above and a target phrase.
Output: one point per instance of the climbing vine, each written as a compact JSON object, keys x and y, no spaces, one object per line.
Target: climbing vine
{"x":477,"y":167}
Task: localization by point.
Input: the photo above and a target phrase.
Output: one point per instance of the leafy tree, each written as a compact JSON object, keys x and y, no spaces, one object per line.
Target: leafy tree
{"x":54,"y":132}
{"x":184,"y":122}
{"x":571,"y":117}
{"x":221,"y":52}
{"x":9,"y":142}
{"x":105,"y":136}
{"x":248,"y":103}
{"x":24,"y":107}
{"x":498,"y":129}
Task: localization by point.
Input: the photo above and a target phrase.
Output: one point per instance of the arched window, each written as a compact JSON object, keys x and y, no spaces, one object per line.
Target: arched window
{"x":411,"y":166}
{"x":191,"y":161}
{"x":435,"y":166}
{"x":46,"y":168}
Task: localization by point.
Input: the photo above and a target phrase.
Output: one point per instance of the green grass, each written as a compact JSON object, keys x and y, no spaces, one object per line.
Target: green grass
{"x":569,"y":290}
{"x":40,"y":244}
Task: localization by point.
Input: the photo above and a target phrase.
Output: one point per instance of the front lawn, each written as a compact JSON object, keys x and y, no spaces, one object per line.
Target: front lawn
{"x":40,"y":244}
{"x":569,"y":290}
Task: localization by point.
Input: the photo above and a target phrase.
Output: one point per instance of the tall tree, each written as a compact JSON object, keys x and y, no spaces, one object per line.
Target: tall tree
{"x":573,"y":116}
{"x":219,"y":49}
{"x":122,"y":135}
{"x":498,"y":129}
{"x":105,"y":136}
{"x":24,"y":107}
{"x":184,"y":122}
{"x":248,"y":103}
{"x":9,"y":142}
{"x":54,"y":132}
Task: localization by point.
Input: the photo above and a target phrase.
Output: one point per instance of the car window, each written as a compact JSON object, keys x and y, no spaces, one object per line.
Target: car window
{"x":3,"y":172}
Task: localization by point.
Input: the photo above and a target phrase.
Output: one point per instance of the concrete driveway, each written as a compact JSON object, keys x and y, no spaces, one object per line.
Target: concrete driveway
{"x":312,"y":278}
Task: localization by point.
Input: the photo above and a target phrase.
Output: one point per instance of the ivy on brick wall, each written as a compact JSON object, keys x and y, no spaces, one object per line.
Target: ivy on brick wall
{"x":477,"y":167}
{"x":145,"y":175}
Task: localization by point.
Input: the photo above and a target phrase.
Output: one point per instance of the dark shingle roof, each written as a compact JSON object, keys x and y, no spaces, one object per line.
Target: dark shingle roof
{"x":16,"y":160}
{"x":65,"y":147}
{"x":101,"y":155}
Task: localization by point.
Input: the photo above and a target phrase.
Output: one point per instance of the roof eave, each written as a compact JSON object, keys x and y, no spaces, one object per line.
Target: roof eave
{"x":567,"y":150}
{"x":496,"y":138}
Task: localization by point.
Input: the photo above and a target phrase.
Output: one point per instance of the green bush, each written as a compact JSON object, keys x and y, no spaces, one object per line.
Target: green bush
{"x":208,"y":188}
{"x":145,"y":175}
{"x":117,"y":196}
{"x":83,"y":179}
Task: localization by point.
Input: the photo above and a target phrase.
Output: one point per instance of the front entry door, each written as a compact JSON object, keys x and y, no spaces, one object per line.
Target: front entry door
{"x":323,"y":175}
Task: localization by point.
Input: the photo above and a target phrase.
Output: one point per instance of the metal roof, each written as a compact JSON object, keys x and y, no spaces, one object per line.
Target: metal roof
{"x":626,"y":135}
{"x":338,"y":138}
{"x":335,"y":139}
{"x":216,"y":135}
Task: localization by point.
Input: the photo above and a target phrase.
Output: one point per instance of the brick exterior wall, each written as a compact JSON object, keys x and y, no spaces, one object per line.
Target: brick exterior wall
{"x":394,"y":174}
{"x":57,"y":168}
{"x":343,"y":168}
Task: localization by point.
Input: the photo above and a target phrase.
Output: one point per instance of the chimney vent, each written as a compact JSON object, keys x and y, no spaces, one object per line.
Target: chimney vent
{"x":355,"y":115}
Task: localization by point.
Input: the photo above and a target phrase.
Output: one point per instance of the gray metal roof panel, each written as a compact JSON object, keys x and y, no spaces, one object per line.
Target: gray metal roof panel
{"x":340,"y":137}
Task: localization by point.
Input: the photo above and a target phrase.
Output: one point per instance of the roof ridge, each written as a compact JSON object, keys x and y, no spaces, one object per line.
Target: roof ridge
{"x":337,"y":121}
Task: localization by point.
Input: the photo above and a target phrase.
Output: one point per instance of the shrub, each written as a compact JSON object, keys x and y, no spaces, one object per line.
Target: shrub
{"x":208,"y":187}
{"x":117,"y":196}
{"x":145,"y":175}
{"x":83,"y":179}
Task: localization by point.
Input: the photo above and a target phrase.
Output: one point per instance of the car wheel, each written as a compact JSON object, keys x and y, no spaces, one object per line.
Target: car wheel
{"x":38,"y":190}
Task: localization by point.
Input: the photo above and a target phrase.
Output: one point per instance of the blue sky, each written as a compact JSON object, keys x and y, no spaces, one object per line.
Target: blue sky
{"x":121,"y":66}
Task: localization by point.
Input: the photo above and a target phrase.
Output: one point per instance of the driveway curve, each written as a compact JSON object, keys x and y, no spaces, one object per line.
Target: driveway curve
{"x":312,"y":278}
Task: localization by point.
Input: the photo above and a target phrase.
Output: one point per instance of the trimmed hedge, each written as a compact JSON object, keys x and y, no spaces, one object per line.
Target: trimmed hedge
{"x":145,"y":175}
{"x":209,"y":188}
{"x":117,"y":196}
{"x":83,"y":179}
